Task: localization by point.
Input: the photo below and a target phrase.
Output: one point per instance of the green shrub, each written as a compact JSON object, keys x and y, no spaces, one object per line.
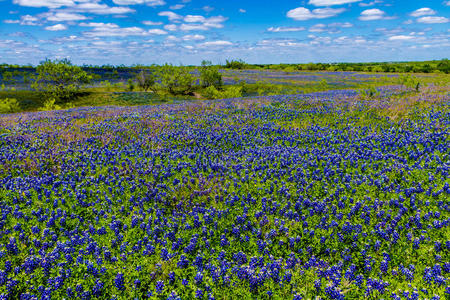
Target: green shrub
{"x":9,"y":105}
{"x":230,"y":92}
{"x":210,"y":75}
{"x":50,"y":105}
{"x":59,"y":79}
{"x":176,"y":80}
{"x":146,"y":80}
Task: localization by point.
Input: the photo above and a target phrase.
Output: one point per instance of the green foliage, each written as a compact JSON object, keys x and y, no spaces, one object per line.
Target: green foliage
{"x":369,"y":93}
{"x":9,"y":105}
{"x":409,"y":81}
{"x":235,"y":64}
{"x":7,"y":76}
{"x":210,"y":75}
{"x":176,"y":80}
{"x":146,"y":80}
{"x":50,"y":105}
{"x":444,"y":66}
{"x":130,"y":85}
{"x":59,"y":79}
{"x":230,"y":92}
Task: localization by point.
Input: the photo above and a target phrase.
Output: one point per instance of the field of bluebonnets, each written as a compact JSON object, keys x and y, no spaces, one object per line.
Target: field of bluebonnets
{"x":329,"y":195}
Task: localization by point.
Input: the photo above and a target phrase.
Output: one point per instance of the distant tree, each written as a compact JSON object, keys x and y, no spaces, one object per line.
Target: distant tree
{"x":176,"y":80}
{"x":444,"y":66}
{"x":210,"y":75}
{"x":235,"y":64}
{"x":59,"y":79}
{"x":146,"y":80}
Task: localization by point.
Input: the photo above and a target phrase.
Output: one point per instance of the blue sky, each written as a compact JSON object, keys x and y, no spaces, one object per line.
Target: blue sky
{"x":188,"y":31}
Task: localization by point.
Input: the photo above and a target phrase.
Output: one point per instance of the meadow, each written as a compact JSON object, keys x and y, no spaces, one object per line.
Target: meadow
{"x":338,"y":187}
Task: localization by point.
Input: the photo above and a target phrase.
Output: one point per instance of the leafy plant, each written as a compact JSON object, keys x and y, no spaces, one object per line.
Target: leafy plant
{"x":176,"y":80}
{"x":210,"y":75}
{"x":146,"y":80}
{"x":59,"y":79}
{"x":9,"y":105}
{"x":50,"y":105}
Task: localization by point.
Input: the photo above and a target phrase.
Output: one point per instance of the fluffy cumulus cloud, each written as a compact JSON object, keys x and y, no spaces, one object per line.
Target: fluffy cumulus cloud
{"x":63,"y":16}
{"x":170,"y":15}
{"x":372,"y":14}
{"x":193,"y":37}
{"x":285,"y":29}
{"x":100,"y":9}
{"x":424,"y":11}
{"x":25,"y":20}
{"x":44,"y":3}
{"x":57,"y":27}
{"x":176,"y":6}
{"x":215,"y":44}
{"x":330,"y":28}
{"x":114,"y":30}
{"x":331,"y":2}
{"x":401,"y":38}
{"x":151,"y":23}
{"x":134,"y":2}
{"x":302,"y":13}
{"x":433,"y":20}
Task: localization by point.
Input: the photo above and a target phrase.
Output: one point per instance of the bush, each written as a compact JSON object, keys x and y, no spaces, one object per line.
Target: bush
{"x":9,"y":105}
{"x":146,"y":80}
{"x":235,"y":64}
{"x":210,"y":75}
{"x":231,"y":92}
{"x":176,"y":80}
{"x":59,"y":79}
{"x":50,"y":105}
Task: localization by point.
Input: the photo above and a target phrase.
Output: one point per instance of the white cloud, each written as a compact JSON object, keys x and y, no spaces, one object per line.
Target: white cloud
{"x":215,"y":44}
{"x":302,"y":14}
{"x":63,"y":16}
{"x":242,"y":11}
{"x":433,"y":20}
{"x":189,"y":27}
{"x":177,"y":6}
{"x":370,"y":3}
{"x":170,"y":27}
{"x":447,"y":3}
{"x":372,"y":14}
{"x":157,"y":31}
{"x":208,"y":8}
{"x":170,"y":14}
{"x":133,"y":2}
{"x":11,"y":21}
{"x":194,"y":19}
{"x":100,"y":9}
{"x":151,"y":23}
{"x":111,"y":29}
{"x":44,"y":3}
{"x":193,"y":37}
{"x":318,"y":28}
{"x":285,"y":29}
{"x":56,"y":27}
{"x":424,"y":11}
{"x":401,"y":38}
{"x":29,"y":20}
{"x":331,"y":2}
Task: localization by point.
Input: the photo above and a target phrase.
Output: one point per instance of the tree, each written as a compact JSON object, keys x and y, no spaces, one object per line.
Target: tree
{"x":235,"y":64}
{"x":146,"y":80}
{"x":444,"y":66}
{"x":177,"y":80}
{"x":210,"y":75}
{"x":59,"y":79}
